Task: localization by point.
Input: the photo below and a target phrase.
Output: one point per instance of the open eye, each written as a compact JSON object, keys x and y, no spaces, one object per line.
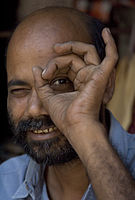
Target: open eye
{"x":60,"y":81}
{"x":62,"y":84}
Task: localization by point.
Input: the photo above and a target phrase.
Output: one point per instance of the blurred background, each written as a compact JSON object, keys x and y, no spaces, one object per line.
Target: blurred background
{"x":118,"y":15}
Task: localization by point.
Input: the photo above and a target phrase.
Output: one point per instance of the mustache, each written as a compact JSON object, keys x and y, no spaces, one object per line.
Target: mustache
{"x":33,"y":124}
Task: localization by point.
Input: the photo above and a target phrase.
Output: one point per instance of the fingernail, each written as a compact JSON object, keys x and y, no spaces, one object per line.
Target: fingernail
{"x":44,"y":71}
{"x":108,"y":30}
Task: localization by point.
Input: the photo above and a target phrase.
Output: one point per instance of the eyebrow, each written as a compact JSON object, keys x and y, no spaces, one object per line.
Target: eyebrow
{"x":16,"y":82}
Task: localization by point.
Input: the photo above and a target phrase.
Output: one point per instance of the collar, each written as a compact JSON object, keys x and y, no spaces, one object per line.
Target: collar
{"x":33,"y":182}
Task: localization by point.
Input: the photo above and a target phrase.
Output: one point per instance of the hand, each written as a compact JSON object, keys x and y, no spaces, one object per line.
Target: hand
{"x":70,"y":110}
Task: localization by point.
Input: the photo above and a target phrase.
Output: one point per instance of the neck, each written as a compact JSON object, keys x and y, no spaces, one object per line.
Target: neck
{"x":67,"y":181}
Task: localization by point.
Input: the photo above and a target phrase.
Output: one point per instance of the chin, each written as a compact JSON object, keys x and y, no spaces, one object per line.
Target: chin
{"x":54,"y":151}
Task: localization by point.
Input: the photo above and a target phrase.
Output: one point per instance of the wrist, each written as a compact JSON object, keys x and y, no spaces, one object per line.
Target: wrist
{"x":84,"y":136}
{"x":84,"y":128}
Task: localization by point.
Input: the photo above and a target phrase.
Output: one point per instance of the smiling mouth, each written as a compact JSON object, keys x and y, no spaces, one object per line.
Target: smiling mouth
{"x":45,"y":131}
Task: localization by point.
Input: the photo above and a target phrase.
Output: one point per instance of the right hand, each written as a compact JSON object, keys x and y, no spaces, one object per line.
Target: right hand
{"x":78,"y":108}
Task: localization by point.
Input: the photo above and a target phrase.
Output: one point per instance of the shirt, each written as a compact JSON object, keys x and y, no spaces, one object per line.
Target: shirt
{"x":22,"y":178}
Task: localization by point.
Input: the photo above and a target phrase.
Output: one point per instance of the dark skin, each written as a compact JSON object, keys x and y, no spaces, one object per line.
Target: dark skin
{"x":75,"y":113}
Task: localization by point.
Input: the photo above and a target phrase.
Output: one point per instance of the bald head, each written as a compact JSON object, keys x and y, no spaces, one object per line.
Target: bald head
{"x":57,"y":25}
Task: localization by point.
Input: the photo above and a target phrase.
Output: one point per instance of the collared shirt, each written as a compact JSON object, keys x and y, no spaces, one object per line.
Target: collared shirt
{"x":22,"y":178}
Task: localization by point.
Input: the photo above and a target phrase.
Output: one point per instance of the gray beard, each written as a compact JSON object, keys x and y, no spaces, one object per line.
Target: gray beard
{"x":51,"y":151}
{"x":54,"y":151}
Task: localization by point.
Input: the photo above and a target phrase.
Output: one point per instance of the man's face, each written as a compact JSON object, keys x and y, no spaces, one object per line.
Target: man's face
{"x":33,"y":46}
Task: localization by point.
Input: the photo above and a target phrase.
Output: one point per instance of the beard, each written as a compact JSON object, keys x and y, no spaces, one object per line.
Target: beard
{"x":53,"y":151}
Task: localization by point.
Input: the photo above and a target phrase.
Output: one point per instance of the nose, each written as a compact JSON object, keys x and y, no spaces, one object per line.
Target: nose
{"x":35,"y":107}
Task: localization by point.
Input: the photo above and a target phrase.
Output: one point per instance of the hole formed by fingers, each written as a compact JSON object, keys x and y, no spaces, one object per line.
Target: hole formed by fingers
{"x":63,"y":64}
{"x":61,"y":84}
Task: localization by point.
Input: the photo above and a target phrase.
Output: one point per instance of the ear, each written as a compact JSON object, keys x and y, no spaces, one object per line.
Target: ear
{"x":110,"y":88}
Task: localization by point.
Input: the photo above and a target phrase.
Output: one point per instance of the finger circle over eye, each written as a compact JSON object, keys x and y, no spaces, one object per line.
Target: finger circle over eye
{"x":69,"y":64}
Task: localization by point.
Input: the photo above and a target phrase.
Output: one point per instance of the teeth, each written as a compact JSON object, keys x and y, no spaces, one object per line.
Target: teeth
{"x":39,"y":131}
{"x":47,"y":130}
{"x":51,"y":129}
{"x":35,"y":131}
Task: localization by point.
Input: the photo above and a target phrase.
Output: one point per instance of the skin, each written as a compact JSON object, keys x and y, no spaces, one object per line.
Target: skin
{"x":45,"y":40}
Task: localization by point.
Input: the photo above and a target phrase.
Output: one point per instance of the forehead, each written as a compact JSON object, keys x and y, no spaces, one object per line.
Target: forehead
{"x":32,"y":43}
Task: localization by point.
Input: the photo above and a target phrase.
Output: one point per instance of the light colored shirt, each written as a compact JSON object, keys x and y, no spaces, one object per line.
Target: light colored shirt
{"x":22,"y":178}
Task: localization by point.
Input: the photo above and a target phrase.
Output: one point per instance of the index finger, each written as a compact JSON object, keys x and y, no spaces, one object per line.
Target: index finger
{"x":80,"y":48}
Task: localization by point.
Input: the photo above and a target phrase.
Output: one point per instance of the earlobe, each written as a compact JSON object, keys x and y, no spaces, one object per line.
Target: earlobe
{"x":110,"y":88}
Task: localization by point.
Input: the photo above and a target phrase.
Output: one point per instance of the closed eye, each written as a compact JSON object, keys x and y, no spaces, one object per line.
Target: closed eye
{"x":19,"y":92}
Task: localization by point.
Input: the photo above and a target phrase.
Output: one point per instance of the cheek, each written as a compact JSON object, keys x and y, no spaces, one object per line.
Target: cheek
{"x":16,"y":108}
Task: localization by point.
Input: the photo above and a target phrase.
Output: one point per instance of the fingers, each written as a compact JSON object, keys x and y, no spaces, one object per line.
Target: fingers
{"x":42,"y":87}
{"x":69,"y":64}
{"x":86,"y":55}
{"x":84,"y":76}
{"x":82,"y":49}
{"x":73,"y":64}
{"x":98,"y":84}
{"x":111,"y":57}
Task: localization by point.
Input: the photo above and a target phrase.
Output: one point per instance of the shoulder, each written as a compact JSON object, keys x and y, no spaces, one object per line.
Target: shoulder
{"x":14,"y":164}
{"x":120,"y":137}
{"x":124,"y":143}
{"x":12,"y":173}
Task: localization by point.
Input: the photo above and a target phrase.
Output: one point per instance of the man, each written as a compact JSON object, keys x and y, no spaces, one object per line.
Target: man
{"x":58,"y":86}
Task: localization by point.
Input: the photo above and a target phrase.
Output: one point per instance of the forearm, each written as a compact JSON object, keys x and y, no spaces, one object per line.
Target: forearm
{"x":109,"y":177}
